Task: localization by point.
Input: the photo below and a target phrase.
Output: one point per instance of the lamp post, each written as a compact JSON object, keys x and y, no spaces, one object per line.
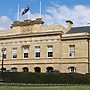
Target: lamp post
{"x":2,"y":77}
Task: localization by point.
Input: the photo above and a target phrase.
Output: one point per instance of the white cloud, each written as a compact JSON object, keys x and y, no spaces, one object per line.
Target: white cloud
{"x":5,"y":23}
{"x":28,"y":15}
{"x":57,"y":14}
{"x":79,"y":14}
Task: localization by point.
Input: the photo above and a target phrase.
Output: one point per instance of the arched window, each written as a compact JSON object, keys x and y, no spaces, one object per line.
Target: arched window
{"x":72,"y":69}
{"x":25,"y":69}
{"x":4,"y":69}
{"x":14,"y":69}
{"x":49,"y":69}
{"x":37,"y":69}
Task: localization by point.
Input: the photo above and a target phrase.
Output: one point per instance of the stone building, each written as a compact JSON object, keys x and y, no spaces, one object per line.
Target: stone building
{"x":29,"y":46}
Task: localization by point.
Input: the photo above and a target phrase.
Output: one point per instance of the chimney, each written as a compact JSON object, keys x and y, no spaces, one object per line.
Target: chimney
{"x":69,"y":23}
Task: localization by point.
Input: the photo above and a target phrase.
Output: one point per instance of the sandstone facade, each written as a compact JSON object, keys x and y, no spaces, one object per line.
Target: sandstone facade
{"x":39,"y":48}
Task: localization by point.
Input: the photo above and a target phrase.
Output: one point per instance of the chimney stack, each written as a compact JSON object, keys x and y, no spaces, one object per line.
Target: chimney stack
{"x":69,"y":23}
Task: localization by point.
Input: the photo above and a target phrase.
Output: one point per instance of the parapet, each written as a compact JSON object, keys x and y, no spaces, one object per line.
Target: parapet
{"x":27,"y":22}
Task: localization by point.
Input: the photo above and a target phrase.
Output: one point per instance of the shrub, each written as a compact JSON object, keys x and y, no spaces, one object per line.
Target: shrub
{"x":46,"y":78}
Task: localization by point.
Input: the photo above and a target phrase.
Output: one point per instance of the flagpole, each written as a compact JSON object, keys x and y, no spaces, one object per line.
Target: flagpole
{"x":40,"y":8}
{"x":29,"y":16}
{"x":18,"y":13}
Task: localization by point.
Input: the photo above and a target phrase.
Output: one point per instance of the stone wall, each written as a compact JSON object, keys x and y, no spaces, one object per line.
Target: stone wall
{"x":33,"y":33}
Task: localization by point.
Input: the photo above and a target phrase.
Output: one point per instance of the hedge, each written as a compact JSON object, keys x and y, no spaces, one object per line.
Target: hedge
{"x":46,"y":78}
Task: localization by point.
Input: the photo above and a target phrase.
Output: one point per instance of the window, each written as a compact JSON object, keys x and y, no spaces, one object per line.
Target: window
{"x":14,"y":69}
{"x":49,"y":69}
{"x":37,"y":69}
{"x":50,"y":51}
{"x":14,"y":52}
{"x":25,"y":52}
{"x":4,"y":53}
{"x":72,"y":69}
{"x":72,"y":51}
{"x":25,"y":69}
{"x":4,"y":69}
{"x":37,"y":51}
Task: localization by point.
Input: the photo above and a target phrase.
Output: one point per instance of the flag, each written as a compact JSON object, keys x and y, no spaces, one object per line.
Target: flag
{"x":26,"y":9}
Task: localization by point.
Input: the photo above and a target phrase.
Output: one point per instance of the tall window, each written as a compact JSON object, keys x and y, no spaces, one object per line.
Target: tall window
{"x":4,"y":53}
{"x":37,"y":51}
{"x":71,"y":51}
{"x":25,"y":52}
{"x":50,"y":51}
{"x":14,"y":52}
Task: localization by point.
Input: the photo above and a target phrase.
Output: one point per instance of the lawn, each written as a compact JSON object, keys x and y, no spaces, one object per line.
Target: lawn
{"x":45,"y":88}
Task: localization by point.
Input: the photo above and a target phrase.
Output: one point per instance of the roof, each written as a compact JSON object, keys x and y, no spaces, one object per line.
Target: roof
{"x":85,"y":29}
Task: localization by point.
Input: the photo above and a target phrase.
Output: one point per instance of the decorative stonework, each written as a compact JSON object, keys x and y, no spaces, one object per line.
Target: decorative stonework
{"x":26,"y":29}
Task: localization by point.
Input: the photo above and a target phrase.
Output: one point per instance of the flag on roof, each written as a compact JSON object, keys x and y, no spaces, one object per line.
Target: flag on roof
{"x":26,"y":10}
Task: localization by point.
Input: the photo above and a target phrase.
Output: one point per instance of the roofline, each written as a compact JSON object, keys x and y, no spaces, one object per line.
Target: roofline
{"x":80,"y":26}
{"x":75,"y":36}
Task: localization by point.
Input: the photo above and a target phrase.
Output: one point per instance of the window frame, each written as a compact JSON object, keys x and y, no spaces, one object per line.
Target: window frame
{"x":49,"y":51}
{"x":71,"y":51}
{"x":14,"y":53}
{"x":24,"y":52}
{"x":37,"y":51}
{"x":4,"y":53}
{"x":72,"y":70}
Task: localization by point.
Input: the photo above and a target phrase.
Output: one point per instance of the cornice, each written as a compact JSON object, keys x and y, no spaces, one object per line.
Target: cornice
{"x":75,"y":37}
{"x":31,"y":35}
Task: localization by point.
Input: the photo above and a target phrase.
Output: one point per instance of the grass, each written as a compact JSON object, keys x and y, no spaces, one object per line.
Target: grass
{"x":73,"y":88}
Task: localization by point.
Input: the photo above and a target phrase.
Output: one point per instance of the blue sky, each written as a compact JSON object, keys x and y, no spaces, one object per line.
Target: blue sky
{"x":53,"y":11}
